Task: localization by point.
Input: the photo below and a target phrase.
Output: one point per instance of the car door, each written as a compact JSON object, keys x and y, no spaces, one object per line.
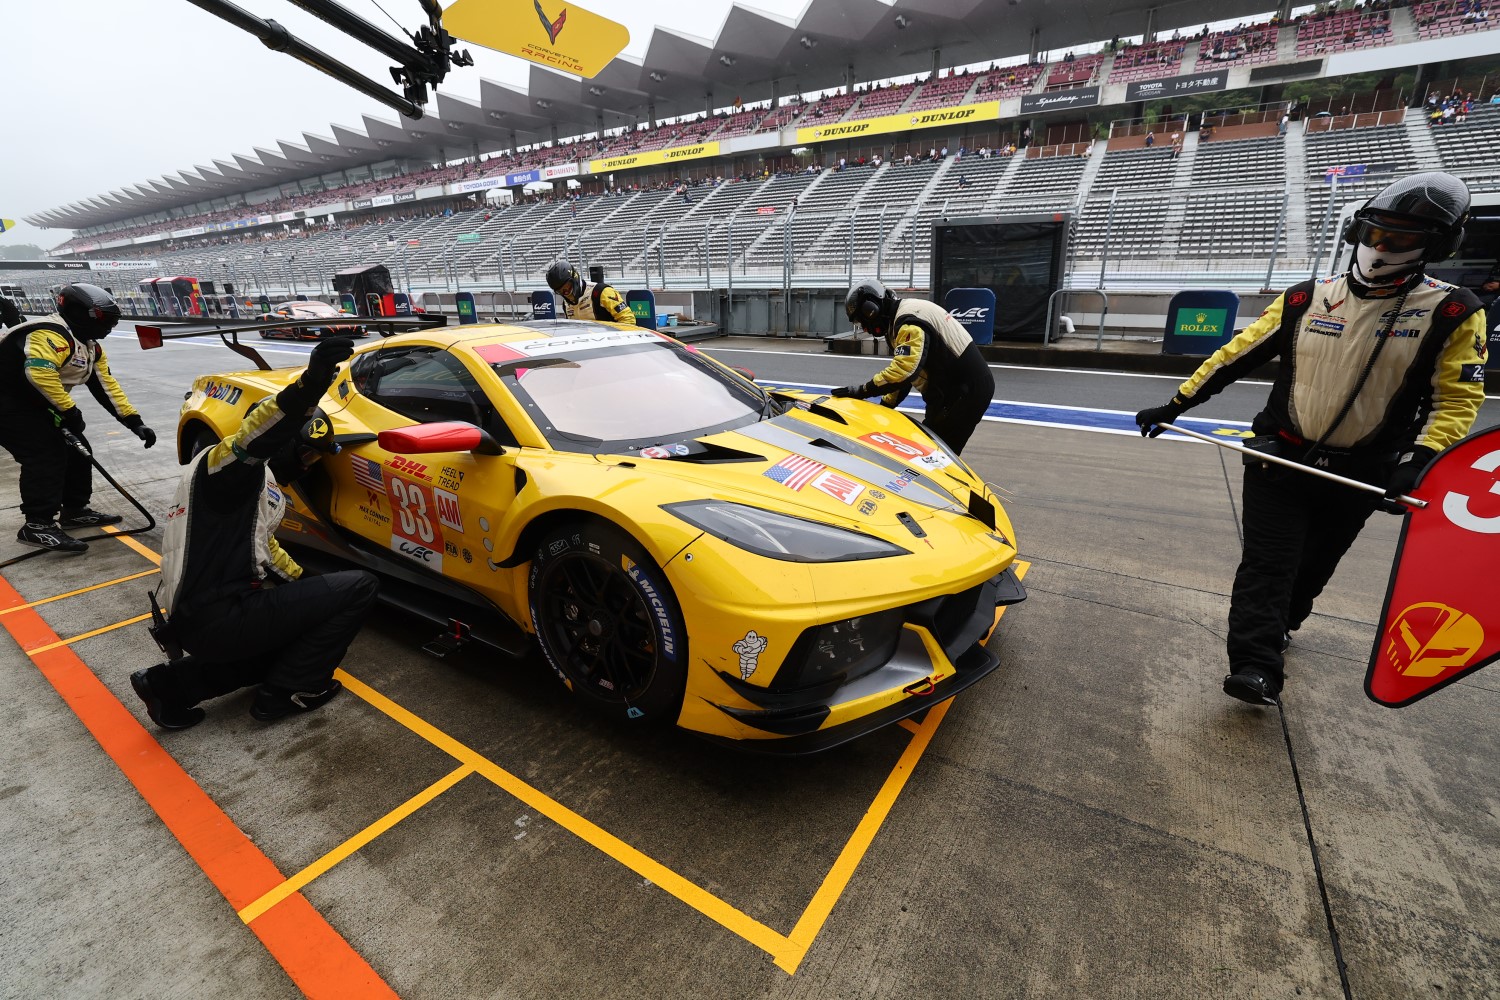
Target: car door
{"x":435,"y":511}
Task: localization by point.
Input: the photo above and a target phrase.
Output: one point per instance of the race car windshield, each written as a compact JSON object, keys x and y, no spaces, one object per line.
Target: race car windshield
{"x":629,"y":398}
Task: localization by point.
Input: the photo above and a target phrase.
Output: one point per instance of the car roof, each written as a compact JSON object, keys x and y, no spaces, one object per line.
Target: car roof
{"x":564,"y":332}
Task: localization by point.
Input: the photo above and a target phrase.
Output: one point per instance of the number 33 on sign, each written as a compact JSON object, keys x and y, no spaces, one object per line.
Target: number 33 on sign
{"x":415,"y":532}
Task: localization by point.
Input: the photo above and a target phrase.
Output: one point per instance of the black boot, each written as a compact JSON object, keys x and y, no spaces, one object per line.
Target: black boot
{"x":272,"y":703}
{"x":165,"y":714}
{"x":1251,"y":687}
{"x":49,"y":536}
{"x":87,"y":517}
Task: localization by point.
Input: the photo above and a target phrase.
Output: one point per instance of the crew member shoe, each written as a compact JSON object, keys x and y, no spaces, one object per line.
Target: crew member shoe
{"x":86,"y":517}
{"x":1286,"y":641}
{"x":1251,"y":688}
{"x":164,"y":714}
{"x":272,"y":703}
{"x":50,"y":536}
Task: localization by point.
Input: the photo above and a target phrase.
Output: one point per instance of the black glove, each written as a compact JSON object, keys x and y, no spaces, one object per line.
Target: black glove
{"x":325,"y":360}
{"x":851,"y":391}
{"x":71,"y":420}
{"x":1407,"y":470}
{"x":1148,"y":419}
{"x":137,"y":426}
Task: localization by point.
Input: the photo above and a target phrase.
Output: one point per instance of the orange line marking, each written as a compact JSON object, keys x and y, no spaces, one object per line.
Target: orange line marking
{"x":318,"y":960}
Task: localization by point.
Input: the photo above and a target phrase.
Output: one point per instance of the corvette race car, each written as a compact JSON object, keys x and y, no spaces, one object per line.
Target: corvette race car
{"x":312,"y":320}
{"x":777,"y":570}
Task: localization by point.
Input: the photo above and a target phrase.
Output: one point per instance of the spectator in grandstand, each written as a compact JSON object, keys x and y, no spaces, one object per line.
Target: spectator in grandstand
{"x":40,"y":364}
{"x":1286,"y":120}
{"x":1025,"y":137}
{"x":219,"y":553}
{"x":602,"y":303}
{"x":1377,"y":413}
{"x":930,"y":350}
{"x":1150,"y":139}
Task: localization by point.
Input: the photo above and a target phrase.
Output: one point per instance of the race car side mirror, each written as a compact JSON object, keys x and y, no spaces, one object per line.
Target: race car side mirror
{"x":452,"y":435}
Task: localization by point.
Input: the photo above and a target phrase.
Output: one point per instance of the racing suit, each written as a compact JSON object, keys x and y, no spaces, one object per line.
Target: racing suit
{"x":931,"y":351}
{"x":602,"y":304}
{"x":40,"y":364}
{"x":238,"y":602}
{"x":1403,"y":365}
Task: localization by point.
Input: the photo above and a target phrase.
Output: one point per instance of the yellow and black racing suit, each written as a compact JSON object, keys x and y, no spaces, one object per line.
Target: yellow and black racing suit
{"x":40,"y":364}
{"x":932,"y":352}
{"x":1365,"y":375}
{"x":601,"y":303}
{"x":239,"y":604}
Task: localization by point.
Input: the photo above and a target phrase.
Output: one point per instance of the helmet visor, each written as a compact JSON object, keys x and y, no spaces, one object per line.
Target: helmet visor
{"x":1393,"y":240}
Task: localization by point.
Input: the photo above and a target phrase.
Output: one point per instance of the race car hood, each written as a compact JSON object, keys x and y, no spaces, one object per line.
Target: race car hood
{"x":877,"y":478}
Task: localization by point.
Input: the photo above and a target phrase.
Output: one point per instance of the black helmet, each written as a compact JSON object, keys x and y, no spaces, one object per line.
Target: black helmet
{"x":317,"y":433}
{"x":563,"y":279}
{"x":871,"y":305}
{"x":89,"y":310}
{"x":1434,"y":204}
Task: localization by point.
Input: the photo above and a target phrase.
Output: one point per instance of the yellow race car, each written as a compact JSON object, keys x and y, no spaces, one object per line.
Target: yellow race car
{"x":778,"y":570}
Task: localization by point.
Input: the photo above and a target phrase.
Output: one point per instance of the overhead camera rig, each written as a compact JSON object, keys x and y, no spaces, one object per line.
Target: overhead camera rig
{"x":424,"y":60}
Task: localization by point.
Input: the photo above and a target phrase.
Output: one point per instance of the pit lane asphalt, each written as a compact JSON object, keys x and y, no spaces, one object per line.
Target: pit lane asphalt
{"x":1094,"y":819}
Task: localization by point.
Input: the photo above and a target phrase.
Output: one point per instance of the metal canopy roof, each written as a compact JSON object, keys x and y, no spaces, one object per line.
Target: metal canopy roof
{"x":755,"y":55}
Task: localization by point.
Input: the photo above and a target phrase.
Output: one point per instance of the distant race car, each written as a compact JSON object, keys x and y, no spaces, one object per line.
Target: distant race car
{"x":778,"y":570}
{"x":312,"y":320}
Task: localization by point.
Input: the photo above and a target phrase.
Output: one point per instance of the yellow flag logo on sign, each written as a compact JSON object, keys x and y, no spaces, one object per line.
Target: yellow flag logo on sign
{"x":552,"y":33}
{"x":6,"y":225}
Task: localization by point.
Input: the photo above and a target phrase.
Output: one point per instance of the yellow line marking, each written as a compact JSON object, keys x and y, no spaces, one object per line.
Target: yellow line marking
{"x":699,"y":899}
{"x":910,"y":726}
{"x":87,"y":635}
{"x":75,"y":593}
{"x":354,"y":843}
{"x":130,"y":542}
{"x":837,"y":880}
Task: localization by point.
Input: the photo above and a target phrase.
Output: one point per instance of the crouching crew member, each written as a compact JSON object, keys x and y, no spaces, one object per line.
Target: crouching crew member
{"x":40,"y":363}
{"x":598,"y":302}
{"x":931,"y":351}
{"x":239,"y":606}
{"x":1381,"y":368}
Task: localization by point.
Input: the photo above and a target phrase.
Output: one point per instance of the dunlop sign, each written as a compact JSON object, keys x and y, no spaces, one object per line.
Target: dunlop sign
{"x":984,"y":111}
{"x":654,"y":157}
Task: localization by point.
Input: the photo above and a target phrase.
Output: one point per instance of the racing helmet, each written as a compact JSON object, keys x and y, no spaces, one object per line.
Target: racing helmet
{"x":871,"y":305}
{"x":89,"y":310}
{"x":563,"y":279}
{"x":317,"y":433}
{"x":1427,"y":210}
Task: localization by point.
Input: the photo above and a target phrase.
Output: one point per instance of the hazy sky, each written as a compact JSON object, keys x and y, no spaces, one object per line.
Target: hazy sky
{"x":94,"y":83}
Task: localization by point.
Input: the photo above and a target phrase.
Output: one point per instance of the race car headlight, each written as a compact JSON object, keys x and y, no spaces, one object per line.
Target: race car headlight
{"x":780,"y":536}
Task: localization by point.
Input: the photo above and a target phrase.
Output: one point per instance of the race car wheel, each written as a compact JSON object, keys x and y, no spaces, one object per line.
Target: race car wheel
{"x":202,"y":439}
{"x":608,"y":622}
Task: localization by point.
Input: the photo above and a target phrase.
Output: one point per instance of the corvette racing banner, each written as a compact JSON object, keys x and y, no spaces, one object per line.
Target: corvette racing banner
{"x":984,"y":111}
{"x":7,"y":224}
{"x":652,"y":158}
{"x":548,"y":32}
{"x":1441,"y":619}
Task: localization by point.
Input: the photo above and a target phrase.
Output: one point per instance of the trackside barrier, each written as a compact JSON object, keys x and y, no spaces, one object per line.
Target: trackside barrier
{"x":543,"y":306}
{"x":975,"y":309}
{"x":643,"y":305}
{"x":1199,"y":322}
{"x":1103,"y":312}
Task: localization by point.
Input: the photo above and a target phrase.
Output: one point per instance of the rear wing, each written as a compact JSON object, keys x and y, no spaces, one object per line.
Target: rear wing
{"x":154,"y":335}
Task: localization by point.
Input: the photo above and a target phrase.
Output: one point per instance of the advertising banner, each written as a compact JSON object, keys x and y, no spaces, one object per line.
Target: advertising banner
{"x":382,"y":200}
{"x":359,"y":203}
{"x":543,"y":306}
{"x":983,"y":111}
{"x":1200,"y":322}
{"x":402,"y":197}
{"x":465,"y":303}
{"x":547,"y":32}
{"x":567,"y":170}
{"x":522,"y":178}
{"x":1175,"y":86}
{"x":1060,"y":100}
{"x":481,"y":184}
{"x":652,"y":158}
{"x":1441,"y":619}
{"x":975,"y":309}
{"x":288,"y":216}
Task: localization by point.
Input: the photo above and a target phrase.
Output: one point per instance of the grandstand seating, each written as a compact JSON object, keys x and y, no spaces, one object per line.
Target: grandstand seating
{"x":1453,"y":17}
{"x":816,"y":211}
{"x":1249,"y":46}
{"x":1137,"y":229}
{"x":1247,"y":162}
{"x":1147,"y":62}
{"x":1044,"y":176}
{"x":827,"y":109}
{"x":889,"y":198}
{"x":1465,"y":145}
{"x":1345,"y":29}
{"x":742,"y":123}
{"x":883,"y":101}
{"x":1008,"y":81}
{"x":1230,"y":223}
{"x":942,"y":92}
{"x":1136,"y":168}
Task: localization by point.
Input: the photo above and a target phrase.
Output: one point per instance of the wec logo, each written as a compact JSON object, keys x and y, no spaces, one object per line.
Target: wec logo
{"x":974,"y":314}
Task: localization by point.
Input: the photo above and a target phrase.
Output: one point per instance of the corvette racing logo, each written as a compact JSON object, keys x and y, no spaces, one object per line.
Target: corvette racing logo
{"x":551,"y":27}
{"x":1430,"y":638}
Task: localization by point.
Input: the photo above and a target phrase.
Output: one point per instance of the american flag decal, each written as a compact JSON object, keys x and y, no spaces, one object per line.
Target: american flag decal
{"x":794,"y":471}
{"x":367,"y":473}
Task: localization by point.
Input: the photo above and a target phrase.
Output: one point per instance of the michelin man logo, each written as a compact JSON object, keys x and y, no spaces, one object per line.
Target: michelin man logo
{"x":749,"y":649}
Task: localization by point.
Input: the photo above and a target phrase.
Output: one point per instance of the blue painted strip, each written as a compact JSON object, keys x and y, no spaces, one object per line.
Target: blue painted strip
{"x":1081,"y":418}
